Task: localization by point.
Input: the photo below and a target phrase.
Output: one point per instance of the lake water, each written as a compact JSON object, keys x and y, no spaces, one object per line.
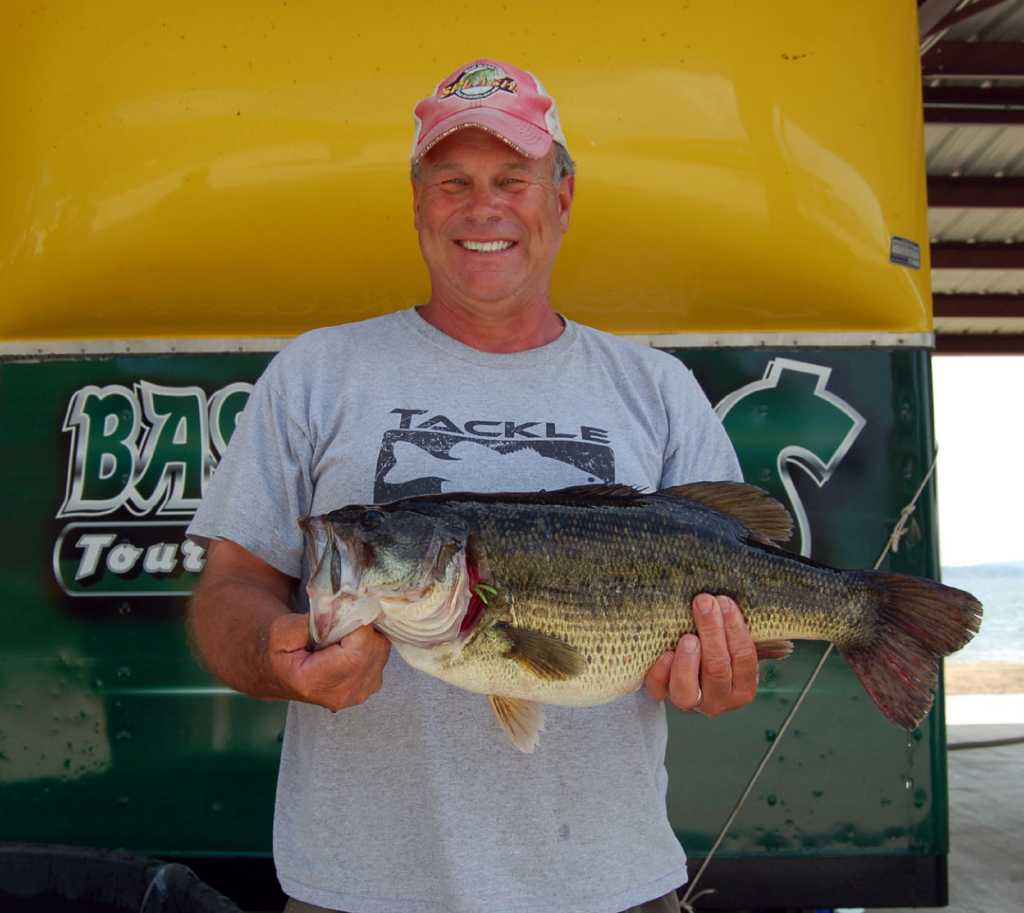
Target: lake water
{"x":1001,"y":591}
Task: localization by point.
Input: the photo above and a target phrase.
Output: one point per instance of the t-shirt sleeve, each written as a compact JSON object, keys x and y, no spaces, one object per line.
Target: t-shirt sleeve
{"x":699,"y":450}
{"x":263,"y":484}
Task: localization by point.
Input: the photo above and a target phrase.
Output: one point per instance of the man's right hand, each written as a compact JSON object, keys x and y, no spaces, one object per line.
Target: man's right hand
{"x":243,"y":629}
{"x":342,"y":675}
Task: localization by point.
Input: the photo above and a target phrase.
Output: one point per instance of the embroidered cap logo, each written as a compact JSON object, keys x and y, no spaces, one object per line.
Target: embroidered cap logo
{"x":479,"y":82}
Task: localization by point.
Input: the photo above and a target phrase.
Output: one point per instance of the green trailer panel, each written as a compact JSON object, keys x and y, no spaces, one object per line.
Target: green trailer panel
{"x":112,"y":736}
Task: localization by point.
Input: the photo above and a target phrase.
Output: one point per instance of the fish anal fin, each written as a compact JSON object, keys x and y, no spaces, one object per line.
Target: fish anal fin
{"x":541,"y":654}
{"x":757,"y":510}
{"x":774,"y":649}
{"x":522,"y":720}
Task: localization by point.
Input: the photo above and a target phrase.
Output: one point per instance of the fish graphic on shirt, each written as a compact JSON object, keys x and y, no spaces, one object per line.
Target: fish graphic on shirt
{"x":468,"y":463}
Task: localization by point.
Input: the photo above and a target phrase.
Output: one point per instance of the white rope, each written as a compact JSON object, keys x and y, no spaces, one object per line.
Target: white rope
{"x":899,"y":530}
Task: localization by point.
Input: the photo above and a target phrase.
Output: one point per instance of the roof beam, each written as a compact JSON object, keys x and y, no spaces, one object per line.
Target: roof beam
{"x":1000,"y":307}
{"x":974,"y":97}
{"x":958,"y":255}
{"x":974,"y":105}
{"x":968,"y":115}
{"x":979,"y":343}
{"x":975,"y":60}
{"x":976,"y":193}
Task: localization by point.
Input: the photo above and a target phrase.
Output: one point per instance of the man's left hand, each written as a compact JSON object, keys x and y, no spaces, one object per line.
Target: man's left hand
{"x":712,"y":671}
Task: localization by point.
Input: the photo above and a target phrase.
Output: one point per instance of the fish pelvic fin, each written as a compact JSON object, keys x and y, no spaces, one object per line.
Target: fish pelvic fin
{"x":523,"y":721}
{"x":541,"y":654}
{"x":918,"y":621}
{"x":774,"y":649}
{"x":757,"y":510}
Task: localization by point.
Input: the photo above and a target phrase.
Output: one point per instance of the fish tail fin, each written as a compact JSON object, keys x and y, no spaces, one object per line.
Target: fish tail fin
{"x":917,"y":622}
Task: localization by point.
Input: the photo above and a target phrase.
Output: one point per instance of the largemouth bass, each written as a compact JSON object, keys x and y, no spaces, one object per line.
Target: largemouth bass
{"x":568,"y":597}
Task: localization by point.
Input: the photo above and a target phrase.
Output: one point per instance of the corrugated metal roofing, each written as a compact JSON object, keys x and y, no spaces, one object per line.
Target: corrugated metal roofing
{"x":975,"y":224}
{"x":977,"y":281}
{"x":1005,"y":325}
{"x":975,"y":150}
{"x":1004,"y":22}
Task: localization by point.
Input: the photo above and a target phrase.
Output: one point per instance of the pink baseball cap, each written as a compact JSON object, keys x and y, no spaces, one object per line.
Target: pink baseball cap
{"x":493,"y":96}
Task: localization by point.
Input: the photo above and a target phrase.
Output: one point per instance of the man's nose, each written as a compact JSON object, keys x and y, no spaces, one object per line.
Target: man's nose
{"x":483,"y":203}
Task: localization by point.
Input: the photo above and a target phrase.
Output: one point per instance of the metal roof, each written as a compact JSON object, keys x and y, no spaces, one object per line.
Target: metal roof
{"x":975,"y":149}
{"x":1001,"y":22}
{"x":973,"y":88}
{"x":972,"y":225}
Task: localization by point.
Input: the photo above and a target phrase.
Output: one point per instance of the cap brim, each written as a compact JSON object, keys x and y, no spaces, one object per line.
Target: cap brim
{"x":524,"y":137}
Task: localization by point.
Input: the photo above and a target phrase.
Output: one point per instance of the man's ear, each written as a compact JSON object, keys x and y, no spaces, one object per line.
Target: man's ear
{"x":566,"y":192}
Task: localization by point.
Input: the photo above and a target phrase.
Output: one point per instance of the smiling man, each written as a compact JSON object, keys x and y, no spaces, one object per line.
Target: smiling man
{"x":413,"y":798}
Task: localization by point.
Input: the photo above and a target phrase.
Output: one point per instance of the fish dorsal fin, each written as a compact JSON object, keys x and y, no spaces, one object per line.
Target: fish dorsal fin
{"x":544,"y":656}
{"x":757,"y":510}
{"x":522,"y":720}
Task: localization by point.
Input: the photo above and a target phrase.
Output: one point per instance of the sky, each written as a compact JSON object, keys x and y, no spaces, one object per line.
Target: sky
{"x":979,"y":428}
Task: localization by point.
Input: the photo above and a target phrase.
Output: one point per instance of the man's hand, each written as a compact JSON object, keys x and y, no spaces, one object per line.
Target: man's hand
{"x":243,"y":630}
{"x":341,"y":675}
{"x":713,"y":671}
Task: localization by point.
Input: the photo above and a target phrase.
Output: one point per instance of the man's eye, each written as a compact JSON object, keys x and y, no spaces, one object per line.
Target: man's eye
{"x":512,"y":183}
{"x":454,"y":183}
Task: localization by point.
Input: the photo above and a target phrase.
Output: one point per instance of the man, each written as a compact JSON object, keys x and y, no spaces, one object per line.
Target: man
{"x":414,"y":799}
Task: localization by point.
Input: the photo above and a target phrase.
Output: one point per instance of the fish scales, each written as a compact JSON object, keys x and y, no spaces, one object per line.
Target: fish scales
{"x":617,"y":585}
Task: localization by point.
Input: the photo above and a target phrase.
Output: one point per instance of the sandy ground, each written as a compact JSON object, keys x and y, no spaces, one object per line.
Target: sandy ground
{"x":984,"y":678}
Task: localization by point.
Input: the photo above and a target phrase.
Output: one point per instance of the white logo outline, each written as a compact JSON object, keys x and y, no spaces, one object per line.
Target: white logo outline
{"x":819,"y":471}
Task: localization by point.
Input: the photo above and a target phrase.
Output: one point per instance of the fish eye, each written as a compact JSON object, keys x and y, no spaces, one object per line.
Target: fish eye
{"x":371,"y":520}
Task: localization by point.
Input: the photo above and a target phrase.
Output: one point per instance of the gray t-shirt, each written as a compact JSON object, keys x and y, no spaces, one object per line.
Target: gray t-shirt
{"x":416,"y":800}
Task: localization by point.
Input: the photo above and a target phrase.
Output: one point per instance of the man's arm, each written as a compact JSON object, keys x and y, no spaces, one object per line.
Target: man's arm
{"x":242,"y":628}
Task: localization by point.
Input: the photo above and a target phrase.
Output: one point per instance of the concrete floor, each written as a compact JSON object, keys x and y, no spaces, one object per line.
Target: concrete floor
{"x":986,"y":818}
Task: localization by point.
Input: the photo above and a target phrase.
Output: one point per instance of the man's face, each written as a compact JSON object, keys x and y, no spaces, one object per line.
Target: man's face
{"x":490,"y":221}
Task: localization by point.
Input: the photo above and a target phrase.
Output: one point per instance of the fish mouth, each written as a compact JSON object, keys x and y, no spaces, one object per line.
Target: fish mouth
{"x":336,"y":606}
{"x":425,"y":613}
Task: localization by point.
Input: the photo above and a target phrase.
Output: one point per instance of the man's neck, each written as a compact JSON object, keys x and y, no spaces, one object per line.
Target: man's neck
{"x":509,"y":331}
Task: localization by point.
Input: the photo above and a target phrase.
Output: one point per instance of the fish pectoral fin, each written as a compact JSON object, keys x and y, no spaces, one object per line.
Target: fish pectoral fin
{"x":774,"y":649}
{"x":757,"y":510}
{"x":545,"y":656}
{"x":522,"y":720}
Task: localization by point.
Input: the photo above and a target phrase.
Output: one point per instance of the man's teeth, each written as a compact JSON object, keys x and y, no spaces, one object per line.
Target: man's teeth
{"x":486,"y":247}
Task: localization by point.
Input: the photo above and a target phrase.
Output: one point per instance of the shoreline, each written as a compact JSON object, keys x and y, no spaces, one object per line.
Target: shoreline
{"x":984,"y":678}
